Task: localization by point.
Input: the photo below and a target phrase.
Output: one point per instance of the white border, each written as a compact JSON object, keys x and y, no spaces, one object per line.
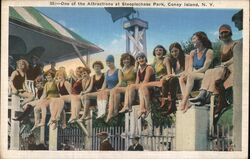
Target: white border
{"x":8,"y":154}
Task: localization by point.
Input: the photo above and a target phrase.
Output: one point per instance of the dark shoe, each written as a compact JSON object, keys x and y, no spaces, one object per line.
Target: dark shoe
{"x":200,"y":97}
{"x":24,"y":114}
{"x":205,"y":100}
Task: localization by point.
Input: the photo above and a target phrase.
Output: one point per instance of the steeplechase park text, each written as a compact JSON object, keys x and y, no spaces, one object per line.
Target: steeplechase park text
{"x":132,"y":4}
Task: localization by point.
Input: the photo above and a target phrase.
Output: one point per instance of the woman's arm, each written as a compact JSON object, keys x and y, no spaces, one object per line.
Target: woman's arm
{"x":149,"y":72}
{"x":168,"y":65}
{"x":187,"y":61}
{"x":90,"y":86}
{"x":119,"y":78}
{"x":44,"y":95}
{"x":227,"y":63}
{"x":68,"y":86}
{"x":13,"y":88}
{"x":190,"y":61}
{"x":137,"y":77}
{"x":104,"y":85}
{"x":207,"y":63}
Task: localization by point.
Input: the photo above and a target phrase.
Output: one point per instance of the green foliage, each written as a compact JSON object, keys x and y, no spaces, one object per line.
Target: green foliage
{"x":187,"y":46}
{"x":159,"y":119}
{"x":216,"y":48}
{"x":115,"y":121}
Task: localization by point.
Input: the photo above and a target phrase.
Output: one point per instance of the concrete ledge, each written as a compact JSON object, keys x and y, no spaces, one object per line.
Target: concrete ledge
{"x":192,"y":129}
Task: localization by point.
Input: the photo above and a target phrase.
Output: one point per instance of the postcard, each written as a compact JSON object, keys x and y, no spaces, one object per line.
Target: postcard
{"x":99,"y":79}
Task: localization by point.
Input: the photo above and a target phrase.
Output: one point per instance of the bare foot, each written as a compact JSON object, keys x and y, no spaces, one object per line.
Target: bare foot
{"x":72,"y":120}
{"x":181,"y":106}
{"x":187,"y":107}
{"x":64,"y":126}
{"x":124,"y":110}
{"x":34,"y":127}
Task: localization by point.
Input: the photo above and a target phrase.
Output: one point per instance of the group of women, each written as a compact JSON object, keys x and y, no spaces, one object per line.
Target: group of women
{"x":118,"y":88}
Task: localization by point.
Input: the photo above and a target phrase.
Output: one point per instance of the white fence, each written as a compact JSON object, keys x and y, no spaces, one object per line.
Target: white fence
{"x":118,"y":143}
{"x":72,"y":135}
{"x":221,"y":138}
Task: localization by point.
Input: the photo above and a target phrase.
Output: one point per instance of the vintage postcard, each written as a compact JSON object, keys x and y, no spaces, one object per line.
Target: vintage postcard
{"x":99,"y":79}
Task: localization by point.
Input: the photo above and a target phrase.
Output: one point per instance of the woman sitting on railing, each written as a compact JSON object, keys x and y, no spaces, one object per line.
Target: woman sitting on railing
{"x":28,"y":107}
{"x":128,"y":75}
{"x":113,"y":79}
{"x":17,"y":82}
{"x":145,"y":74}
{"x":64,"y":88}
{"x":88,"y":96}
{"x":50,"y":98}
{"x":176,"y":64}
{"x":223,"y":72}
{"x":200,"y":59}
{"x":159,"y":66}
{"x":81,"y":84}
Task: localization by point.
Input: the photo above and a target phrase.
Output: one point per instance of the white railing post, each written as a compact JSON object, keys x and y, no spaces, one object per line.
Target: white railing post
{"x":53,"y":134}
{"x":88,"y":137}
{"x":42,"y":134}
{"x":15,"y":125}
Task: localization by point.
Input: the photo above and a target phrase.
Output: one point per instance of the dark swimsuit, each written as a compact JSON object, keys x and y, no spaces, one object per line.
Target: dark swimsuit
{"x":97,"y":84}
{"x":142,"y":74}
{"x":18,"y":82}
{"x":77,"y":87}
{"x":62,"y":90}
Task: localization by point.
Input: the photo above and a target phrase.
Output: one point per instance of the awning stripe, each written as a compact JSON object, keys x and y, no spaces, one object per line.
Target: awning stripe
{"x":25,"y":14}
{"x":40,"y":19}
{"x":58,"y":27}
{"x":15,"y":15}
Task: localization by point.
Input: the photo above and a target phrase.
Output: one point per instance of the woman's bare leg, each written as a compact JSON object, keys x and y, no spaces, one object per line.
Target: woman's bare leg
{"x":129,"y":97}
{"x":142,"y":102}
{"x":75,"y":107}
{"x":28,"y":97}
{"x":189,"y":86}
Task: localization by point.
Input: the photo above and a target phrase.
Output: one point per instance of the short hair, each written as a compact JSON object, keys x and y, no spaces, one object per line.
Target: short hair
{"x":98,"y":63}
{"x":50,"y":72}
{"x":225,"y":27}
{"x":160,"y":46}
{"x":26,"y":64}
{"x":181,"y":56}
{"x":202,"y":36}
{"x":38,"y":79}
{"x":131,"y":58}
{"x":80,"y":68}
{"x":86,"y":69}
{"x":141,"y":54}
{"x":61,"y":72}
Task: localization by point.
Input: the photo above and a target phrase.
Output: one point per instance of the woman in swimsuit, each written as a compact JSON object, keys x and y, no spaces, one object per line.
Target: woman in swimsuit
{"x":199,"y":62}
{"x":227,"y":50}
{"x":176,"y":64}
{"x":50,"y":98}
{"x":112,"y":80}
{"x":145,"y":74}
{"x":17,"y":82}
{"x":89,"y":95}
{"x":78,"y":87}
{"x":128,"y":76}
{"x":159,"y":66}
{"x":64,"y":88}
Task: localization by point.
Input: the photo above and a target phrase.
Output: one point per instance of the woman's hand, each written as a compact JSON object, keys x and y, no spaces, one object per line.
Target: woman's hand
{"x":15,"y":91}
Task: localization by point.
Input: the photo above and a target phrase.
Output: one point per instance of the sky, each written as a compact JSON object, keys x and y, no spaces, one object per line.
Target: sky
{"x":165,"y":26}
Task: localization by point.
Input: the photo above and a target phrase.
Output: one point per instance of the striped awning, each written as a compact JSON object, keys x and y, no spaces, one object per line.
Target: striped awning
{"x":29,"y":18}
